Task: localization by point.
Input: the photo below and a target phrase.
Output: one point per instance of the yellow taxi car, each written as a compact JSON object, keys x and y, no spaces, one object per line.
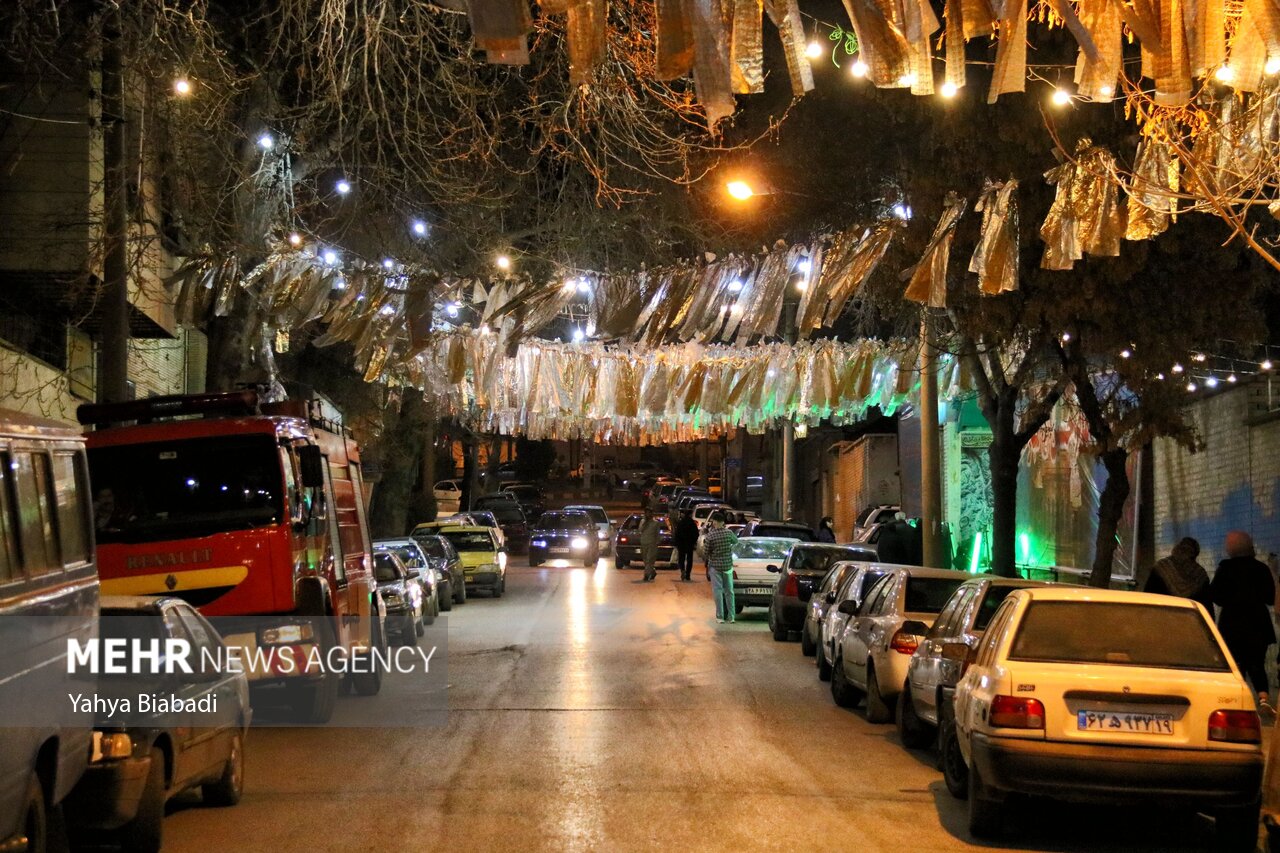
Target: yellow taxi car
{"x":484,"y":559}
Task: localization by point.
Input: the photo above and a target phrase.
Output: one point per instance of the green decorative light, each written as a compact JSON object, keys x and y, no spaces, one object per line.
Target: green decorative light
{"x":843,"y":39}
{"x":977,"y":553}
{"x":1025,"y":541}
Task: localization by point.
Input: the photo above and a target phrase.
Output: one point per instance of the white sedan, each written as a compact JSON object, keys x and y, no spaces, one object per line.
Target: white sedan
{"x":753,"y":583}
{"x":1097,"y":695}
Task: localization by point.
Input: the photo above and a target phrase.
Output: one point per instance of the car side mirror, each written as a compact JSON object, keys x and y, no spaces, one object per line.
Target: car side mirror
{"x":311,"y":462}
{"x":957,"y":652}
{"x":848,"y":608}
{"x":772,"y":569}
{"x":914,"y":628}
{"x":414,"y":574}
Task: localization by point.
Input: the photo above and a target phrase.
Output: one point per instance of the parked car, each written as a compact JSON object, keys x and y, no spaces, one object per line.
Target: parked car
{"x":505,"y":473}
{"x":632,"y":475}
{"x":870,"y":518}
{"x":484,"y":562}
{"x":830,"y":629}
{"x":876,"y":645}
{"x":604,"y":527}
{"x":420,"y":571}
{"x":1118,"y":697}
{"x":448,"y":495}
{"x":626,"y":545}
{"x":49,"y":595}
{"x":447,"y":564}
{"x":713,"y":486}
{"x":963,"y":620}
{"x":478,"y":518}
{"x":799,"y":575}
{"x":702,"y":512}
{"x":527,"y":495}
{"x":822,"y":600}
{"x":689,"y":500}
{"x":787,"y":529}
{"x":141,"y":759}
{"x":511,"y":518}
{"x":564,"y":535}
{"x":753,"y":583}
{"x":659,"y":493}
{"x":401,"y":596}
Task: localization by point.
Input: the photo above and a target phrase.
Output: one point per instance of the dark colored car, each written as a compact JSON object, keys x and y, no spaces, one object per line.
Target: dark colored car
{"x":141,"y":758}
{"x":788,"y":530}
{"x":511,"y":518}
{"x":401,"y":596}
{"x":448,"y":565}
{"x":802,"y":573}
{"x":527,"y":495}
{"x":626,"y":545}
{"x":564,"y":536}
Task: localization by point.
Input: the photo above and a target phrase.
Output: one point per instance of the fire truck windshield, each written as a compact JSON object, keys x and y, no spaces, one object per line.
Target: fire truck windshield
{"x":185,"y":489}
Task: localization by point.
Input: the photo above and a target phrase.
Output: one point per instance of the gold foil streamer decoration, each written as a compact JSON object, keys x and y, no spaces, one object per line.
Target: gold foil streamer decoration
{"x":785,"y":15}
{"x":1150,"y":190}
{"x":586,"y":34}
{"x":711,"y":74}
{"x":881,"y":43}
{"x":953,"y":14}
{"x":995,"y":258}
{"x":1010,"y":74}
{"x":919,"y":22}
{"x":1086,"y":215}
{"x":929,"y":277}
{"x":501,"y":29}
{"x":847,"y":264}
{"x":1096,"y":78}
{"x":675,"y":40}
{"x":746,"y":47}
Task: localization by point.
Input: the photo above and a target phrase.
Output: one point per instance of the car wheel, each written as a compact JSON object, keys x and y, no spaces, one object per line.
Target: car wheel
{"x":588,"y":563}
{"x":144,"y":832}
{"x":497,"y":590}
{"x":226,"y":791}
{"x":429,"y":612}
{"x":534,"y":562}
{"x":808,"y":647}
{"x":460,"y":595}
{"x":780,"y":632}
{"x":824,"y":666}
{"x":35,"y":820}
{"x":738,"y":608}
{"x":410,"y":630}
{"x":954,"y":771}
{"x":844,"y":693}
{"x":878,"y":710}
{"x":914,"y":732}
{"x":985,"y":813}
{"x":619,"y":563}
{"x":419,"y":625}
{"x":1236,"y":828}
{"x":369,"y":683}
{"x":445,"y":594}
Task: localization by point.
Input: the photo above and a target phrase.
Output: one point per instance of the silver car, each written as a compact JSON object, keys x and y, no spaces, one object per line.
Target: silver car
{"x":605,"y":531}
{"x":878,"y":642}
{"x":831,"y":628}
{"x":820,"y":602}
{"x":420,"y":570}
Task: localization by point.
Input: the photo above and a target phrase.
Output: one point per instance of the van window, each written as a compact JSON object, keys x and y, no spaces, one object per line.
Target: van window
{"x":8,"y":524}
{"x":36,"y":536}
{"x":68,"y":480}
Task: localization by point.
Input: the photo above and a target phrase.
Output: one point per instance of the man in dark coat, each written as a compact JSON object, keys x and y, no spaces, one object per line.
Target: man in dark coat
{"x":1243,"y":588}
{"x":686,"y":542}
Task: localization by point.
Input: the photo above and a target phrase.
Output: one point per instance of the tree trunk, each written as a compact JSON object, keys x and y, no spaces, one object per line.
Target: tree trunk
{"x":469,"y":466}
{"x":491,"y":463}
{"x":240,"y":350}
{"x":1004,"y":454}
{"x":1110,"y":510}
{"x":422,"y":501}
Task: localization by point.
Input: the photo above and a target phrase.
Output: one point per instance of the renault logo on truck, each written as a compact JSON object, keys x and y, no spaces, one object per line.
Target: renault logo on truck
{"x":167,"y":559}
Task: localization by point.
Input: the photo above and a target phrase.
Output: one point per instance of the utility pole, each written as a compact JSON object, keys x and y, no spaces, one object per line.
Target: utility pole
{"x":113,"y":381}
{"x":788,"y":495}
{"x":930,"y":476}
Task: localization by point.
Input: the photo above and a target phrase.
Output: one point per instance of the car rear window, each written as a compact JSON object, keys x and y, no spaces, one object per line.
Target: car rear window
{"x":929,"y":595}
{"x":990,"y":604}
{"x":804,"y":534}
{"x":868,"y":580}
{"x":595,"y":513}
{"x":1121,"y":634}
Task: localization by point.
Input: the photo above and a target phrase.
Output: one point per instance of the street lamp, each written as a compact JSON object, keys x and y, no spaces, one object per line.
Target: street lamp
{"x":502,"y":262}
{"x":182,"y":86}
{"x":741,"y":190}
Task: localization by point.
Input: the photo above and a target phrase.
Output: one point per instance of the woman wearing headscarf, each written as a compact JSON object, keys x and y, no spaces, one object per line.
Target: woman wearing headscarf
{"x":1181,"y":574}
{"x":1243,"y":588}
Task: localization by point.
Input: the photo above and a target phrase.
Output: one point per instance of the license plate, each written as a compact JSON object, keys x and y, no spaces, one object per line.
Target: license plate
{"x":1124,"y":723}
{"x":557,"y":550}
{"x":757,"y":590}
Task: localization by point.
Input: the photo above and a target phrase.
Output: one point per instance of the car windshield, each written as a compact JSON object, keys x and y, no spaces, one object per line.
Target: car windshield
{"x":804,"y":534}
{"x":1097,"y":632}
{"x":762,"y":549}
{"x":929,"y":595}
{"x":484,"y":519}
{"x":469,"y":540}
{"x":183,"y":489}
{"x":130,"y":625}
{"x":820,"y":559}
{"x":563,"y":521}
{"x":409,"y":555}
{"x":990,"y":603}
{"x":432,"y":546}
{"x":505,"y":511}
{"x":595,"y":513}
{"x":384,"y":567}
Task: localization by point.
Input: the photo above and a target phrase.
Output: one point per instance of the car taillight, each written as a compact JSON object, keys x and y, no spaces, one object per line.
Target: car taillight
{"x":1016,"y":712}
{"x":624,"y":539}
{"x":904,"y":643}
{"x":1235,"y":726}
{"x":791,"y":586}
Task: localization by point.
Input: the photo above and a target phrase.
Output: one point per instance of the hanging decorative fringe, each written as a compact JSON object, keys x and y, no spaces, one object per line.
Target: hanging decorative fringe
{"x":995,"y":259}
{"x":929,"y":277}
{"x":1086,"y":215}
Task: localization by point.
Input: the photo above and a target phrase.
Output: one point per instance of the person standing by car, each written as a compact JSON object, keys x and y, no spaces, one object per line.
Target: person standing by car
{"x":1243,"y":588}
{"x":826,"y":532}
{"x":1181,"y":575}
{"x":686,"y":542}
{"x":650,"y":538}
{"x":717,"y":547}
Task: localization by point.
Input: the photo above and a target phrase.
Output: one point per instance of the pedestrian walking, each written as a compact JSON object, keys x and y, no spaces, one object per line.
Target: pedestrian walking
{"x":650,"y":538}
{"x":686,"y":542}
{"x":717,"y":548}
{"x":1181,"y":575}
{"x":826,"y":531}
{"x":1243,"y":588}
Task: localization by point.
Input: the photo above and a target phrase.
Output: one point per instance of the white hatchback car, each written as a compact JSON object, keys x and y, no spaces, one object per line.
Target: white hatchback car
{"x":1098,"y":695}
{"x":753,"y":583}
{"x":854,"y":588}
{"x":876,"y":646}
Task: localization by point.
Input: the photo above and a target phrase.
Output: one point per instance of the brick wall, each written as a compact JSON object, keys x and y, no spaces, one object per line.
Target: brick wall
{"x":1234,"y":483}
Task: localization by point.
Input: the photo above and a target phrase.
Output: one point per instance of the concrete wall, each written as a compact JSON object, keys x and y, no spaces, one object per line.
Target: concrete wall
{"x":1233,"y":483}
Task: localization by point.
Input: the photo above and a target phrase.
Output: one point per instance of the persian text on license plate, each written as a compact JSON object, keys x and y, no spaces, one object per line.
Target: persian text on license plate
{"x":1125,"y":723}
{"x":757,"y":590}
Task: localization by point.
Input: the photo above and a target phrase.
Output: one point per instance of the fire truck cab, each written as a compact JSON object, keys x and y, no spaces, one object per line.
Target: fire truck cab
{"x":255,"y":514}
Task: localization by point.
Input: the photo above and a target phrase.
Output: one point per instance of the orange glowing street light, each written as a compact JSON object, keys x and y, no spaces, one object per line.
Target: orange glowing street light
{"x":741,"y":190}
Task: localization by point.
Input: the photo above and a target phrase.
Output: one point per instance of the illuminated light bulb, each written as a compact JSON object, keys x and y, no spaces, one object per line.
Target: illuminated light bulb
{"x":908,"y":79}
{"x":814,"y":49}
{"x":802,"y":285}
{"x":1124,"y":353}
{"x":452,"y":309}
{"x":387,"y":311}
{"x":388,"y":263}
{"x":741,"y":190}
{"x":343,"y":186}
{"x":419,"y":227}
{"x":340,"y":284}
{"x":1266,"y":364}
{"x":804,"y":267}
{"x":1105,"y":91}
{"x":1191,"y":386}
{"x":578,"y":335}
{"x":584,"y":286}
{"x":1272,"y":66}
{"x":1066,"y":336}
{"x":1231,"y":378}
{"x":1060,"y":97}
{"x":1225,"y":74}
{"x":949,"y":89}
{"x":266,"y":142}
{"x":1200,"y":357}
{"x":502,"y":262}
{"x":771,"y":373}
{"x":330,"y":257}
{"x":484,"y":329}
{"x":1160,"y":376}
{"x":902,"y":211}
{"x":295,"y":239}
{"x":735,"y":286}
{"x":1211,"y":382}
{"x":569,"y":286}
{"x":859,"y":69}
{"x":182,"y":86}
{"x":1177,"y":368}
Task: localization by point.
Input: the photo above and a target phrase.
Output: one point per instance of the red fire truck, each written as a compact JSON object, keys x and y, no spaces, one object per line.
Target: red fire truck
{"x":255,"y":514}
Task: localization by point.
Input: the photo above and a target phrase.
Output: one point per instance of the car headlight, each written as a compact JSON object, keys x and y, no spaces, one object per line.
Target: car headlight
{"x":579,"y":543}
{"x":538,"y":543}
{"x":488,"y":567}
{"x":111,"y":745}
{"x":602,"y":534}
{"x":282,"y":634}
{"x":391,"y":597}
